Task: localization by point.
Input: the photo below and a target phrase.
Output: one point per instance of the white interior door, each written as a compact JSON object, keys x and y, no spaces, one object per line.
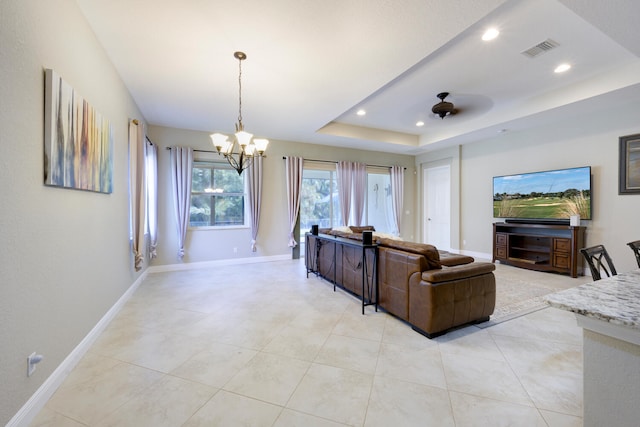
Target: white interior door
{"x":437,"y":207}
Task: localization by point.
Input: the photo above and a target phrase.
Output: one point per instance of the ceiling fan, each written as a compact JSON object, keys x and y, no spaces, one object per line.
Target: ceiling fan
{"x":443,"y":108}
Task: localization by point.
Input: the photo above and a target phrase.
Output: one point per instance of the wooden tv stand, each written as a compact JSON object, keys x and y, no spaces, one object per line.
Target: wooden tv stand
{"x":541,"y":247}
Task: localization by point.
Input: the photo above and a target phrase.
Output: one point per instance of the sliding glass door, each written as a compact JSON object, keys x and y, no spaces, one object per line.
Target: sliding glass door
{"x":379,"y":211}
{"x":319,"y":202}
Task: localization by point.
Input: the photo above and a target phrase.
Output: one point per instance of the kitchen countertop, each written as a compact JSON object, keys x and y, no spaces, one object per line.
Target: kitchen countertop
{"x":615,"y":299}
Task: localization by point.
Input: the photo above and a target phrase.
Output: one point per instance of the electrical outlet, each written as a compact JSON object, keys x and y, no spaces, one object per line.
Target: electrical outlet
{"x":235,"y":250}
{"x":32,"y":360}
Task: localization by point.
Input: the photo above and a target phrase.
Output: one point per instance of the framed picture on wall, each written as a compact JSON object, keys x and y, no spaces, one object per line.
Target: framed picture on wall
{"x":629,"y":164}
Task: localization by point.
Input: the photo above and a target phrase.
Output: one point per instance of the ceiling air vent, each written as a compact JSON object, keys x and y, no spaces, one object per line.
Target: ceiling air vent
{"x":540,"y":48}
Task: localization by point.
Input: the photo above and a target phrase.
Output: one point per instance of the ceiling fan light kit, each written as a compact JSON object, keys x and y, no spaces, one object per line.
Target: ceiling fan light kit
{"x":443,"y":108}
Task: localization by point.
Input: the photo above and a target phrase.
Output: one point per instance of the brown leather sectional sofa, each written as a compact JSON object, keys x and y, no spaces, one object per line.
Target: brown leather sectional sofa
{"x":432,"y":290}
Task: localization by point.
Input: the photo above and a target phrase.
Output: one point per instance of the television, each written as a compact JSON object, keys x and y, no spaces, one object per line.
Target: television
{"x":546,"y":197}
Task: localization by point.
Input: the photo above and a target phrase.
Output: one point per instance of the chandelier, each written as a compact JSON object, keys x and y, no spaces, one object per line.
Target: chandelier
{"x":241,"y":151}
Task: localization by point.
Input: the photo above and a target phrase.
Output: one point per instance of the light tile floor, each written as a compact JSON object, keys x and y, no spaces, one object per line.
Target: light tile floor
{"x":262,"y":345}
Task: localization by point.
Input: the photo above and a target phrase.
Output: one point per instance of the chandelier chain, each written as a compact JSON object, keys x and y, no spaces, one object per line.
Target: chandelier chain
{"x":240,"y":92}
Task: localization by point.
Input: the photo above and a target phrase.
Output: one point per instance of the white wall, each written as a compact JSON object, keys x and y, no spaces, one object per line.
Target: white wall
{"x":213,"y":245}
{"x":64,"y":258}
{"x":586,"y":140}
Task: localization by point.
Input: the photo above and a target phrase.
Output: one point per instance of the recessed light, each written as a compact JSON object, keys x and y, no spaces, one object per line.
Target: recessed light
{"x":490,"y":34}
{"x":420,"y":123}
{"x":361,"y":112}
{"x":562,"y":68}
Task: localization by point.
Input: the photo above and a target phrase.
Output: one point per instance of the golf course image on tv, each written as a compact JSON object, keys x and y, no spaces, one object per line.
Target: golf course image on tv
{"x":554,"y":194}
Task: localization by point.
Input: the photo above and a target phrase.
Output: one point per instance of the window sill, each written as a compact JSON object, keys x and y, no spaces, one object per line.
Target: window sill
{"x":219,"y":227}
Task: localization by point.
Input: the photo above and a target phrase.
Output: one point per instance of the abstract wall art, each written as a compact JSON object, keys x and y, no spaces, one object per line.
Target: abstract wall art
{"x":78,"y":140}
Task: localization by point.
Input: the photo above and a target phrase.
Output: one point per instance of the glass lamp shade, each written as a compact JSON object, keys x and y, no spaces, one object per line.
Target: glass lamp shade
{"x":261,"y":145}
{"x":249,"y":150}
{"x":243,"y":138}
{"x":220,"y":141}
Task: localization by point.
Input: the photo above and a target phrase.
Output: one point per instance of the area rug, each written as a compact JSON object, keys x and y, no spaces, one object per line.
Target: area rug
{"x":520,"y":292}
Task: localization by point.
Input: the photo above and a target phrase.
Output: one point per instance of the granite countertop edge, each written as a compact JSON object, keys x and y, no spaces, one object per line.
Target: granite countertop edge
{"x":615,"y":300}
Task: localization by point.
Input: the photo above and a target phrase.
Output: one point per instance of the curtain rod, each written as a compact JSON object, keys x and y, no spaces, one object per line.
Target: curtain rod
{"x":199,"y":151}
{"x":333,"y":161}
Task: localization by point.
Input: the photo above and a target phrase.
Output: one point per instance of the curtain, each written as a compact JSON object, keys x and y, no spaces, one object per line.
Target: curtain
{"x":397,"y":195}
{"x":344,"y":174}
{"x":359,"y":192}
{"x":137,"y":196}
{"x":254,"y":189}
{"x":294,"y":184}
{"x":152,"y":196}
{"x":181,"y":164}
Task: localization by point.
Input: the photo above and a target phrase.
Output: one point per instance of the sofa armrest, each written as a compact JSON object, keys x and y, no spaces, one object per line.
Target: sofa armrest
{"x":449,"y":259}
{"x":458,"y":272}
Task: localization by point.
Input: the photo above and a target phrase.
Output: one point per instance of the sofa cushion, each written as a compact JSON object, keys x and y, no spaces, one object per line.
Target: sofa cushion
{"x":458,"y":272}
{"x":342,"y":234}
{"x":360,"y":229}
{"x":377,"y":235}
{"x":342,"y":229}
{"x":352,"y":236}
{"x":351,"y":232}
{"x":429,"y":251}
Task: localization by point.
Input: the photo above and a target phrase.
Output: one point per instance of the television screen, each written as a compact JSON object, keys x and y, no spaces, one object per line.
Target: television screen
{"x":555,"y":194}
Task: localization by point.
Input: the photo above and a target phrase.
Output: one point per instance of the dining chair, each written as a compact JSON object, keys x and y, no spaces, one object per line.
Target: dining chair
{"x":635,"y":247}
{"x":599,"y":260}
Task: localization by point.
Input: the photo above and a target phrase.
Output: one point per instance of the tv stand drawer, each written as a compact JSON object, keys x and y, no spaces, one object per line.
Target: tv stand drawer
{"x":562,"y":245}
{"x":561,"y":260}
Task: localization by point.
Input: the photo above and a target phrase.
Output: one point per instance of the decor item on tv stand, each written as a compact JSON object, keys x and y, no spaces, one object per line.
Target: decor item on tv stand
{"x":241,"y":152}
{"x":542,"y":247}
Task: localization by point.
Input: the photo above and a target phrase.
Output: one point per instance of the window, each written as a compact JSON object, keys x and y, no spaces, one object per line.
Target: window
{"x":151,"y":182}
{"x":217,"y":196}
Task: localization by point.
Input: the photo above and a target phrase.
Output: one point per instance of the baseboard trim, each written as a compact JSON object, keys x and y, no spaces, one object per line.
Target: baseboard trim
{"x":36,"y":402}
{"x":216,"y":263}
{"x":476,"y":255}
